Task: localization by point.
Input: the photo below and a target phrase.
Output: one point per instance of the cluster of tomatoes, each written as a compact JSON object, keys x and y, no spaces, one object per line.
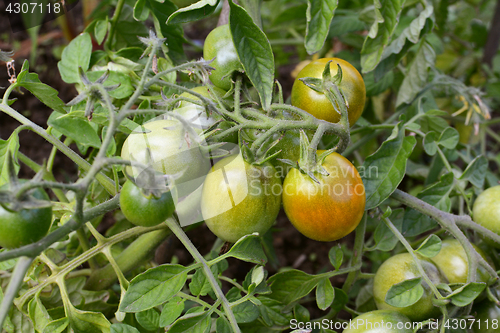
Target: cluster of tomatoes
{"x":240,"y":196}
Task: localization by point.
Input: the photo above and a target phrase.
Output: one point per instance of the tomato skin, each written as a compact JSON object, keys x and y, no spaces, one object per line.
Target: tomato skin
{"x":240,"y":198}
{"x":452,"y":262}
{"x":317,"y":103}
{"x":330,"y":210}
{"x":219,"y":45}
{"x":170,"y":154}
{"x":378,"y":321}
{"x":486,"y":210}
{"x":397,"y":269}
{"x":144,"y":211}
{"x":26,"y":226}
{"x":487,"y":314}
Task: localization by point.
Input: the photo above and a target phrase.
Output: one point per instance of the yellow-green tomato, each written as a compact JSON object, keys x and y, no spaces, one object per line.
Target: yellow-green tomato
{"x":486,"y":209}
{"x":487,"y":316}
{"x":165,"y":146}
{"x":380,"y":321}
{"x":399,"y":268}
{"x":452,"y":262}
{"x":219,"y":45}
{"x":240,"y":198}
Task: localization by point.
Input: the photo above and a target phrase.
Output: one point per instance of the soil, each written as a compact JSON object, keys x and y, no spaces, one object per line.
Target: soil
{"x":292,"y":249}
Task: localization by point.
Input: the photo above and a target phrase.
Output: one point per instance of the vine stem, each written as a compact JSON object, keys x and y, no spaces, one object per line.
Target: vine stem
{"x":410,"y":250}
{"x":15,"y":283}
{"x":358,"y":254}
{"x":114,"y":21}
{"x":177,"y":231}
{"x":449,"y":223}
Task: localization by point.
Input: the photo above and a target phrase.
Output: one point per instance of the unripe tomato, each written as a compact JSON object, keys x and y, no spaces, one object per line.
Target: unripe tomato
{"x":317,"y":103}
{"x":25,"y":226}
{"x":380,"y":321}
{"x":240,"y":198}
{"x":399,"y":268}
{"x":452,"y":262}
{"x":487,"y":316}
{"x":165,"y":147}
{"x":330,"y":210}
{"x":145,"y":211}
{"x":486,"y":210}
{"x":219,"y":45}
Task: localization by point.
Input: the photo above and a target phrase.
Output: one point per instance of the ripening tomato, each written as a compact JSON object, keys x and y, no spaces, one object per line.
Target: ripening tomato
{"x":380,"y":321}
{"x":486,"y":210}
{"x":317,"y":104}
{"x":240,"y":198}
{"x":399,"y":268}
{"x":329,"y":210}
{"x":487,"y":316}
{"x":219,"y":45}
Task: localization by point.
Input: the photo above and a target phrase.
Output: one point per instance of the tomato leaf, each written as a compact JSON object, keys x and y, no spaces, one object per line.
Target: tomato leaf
{"x":141,"y":12}
{"x":222,"y":325}
{"x":417,"y":74}
{"x":87,"y":322}
{"x":76,"y":128}
{"x":254,"y":51}
{"x":336,"y":256}
{"x":199,"y":285}
{"x":429,"y":143}
{"x":292,"y":285}
{"x":123,"y":328}
{"x":476,"y":171}
{"x":76,"y":54}
{"x":100,"y":30}
{"x":171,"y":311}
{"x":324,"y":294}
{"x":437,"y":195}
{"x":194,"y":12}
{"x":153,"y":287}
{"x":465,"y":295}
{"x":248,"y":248}
{"x":10,"y":146}
{"x":384,"y":170}
{"x":405,"y":293}
{"x":387,"y":14}
{"x":245,"y":312}
{"x":59,"y":326}
{"x":449,"y":138}
{"x":430,"y":247}
{"x":319,"y":15}
{"x":149,"y":319}
{"x":45,"y":93}
{"x":192,"y":323}
{"x":383,"y":236}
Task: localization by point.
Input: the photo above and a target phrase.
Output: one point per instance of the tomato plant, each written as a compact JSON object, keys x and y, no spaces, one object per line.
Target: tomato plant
{"x":330,"y":208}
{"x":26,"y":226}
{"x":398,"y":269}
{"x":487,"y":317}
{"x":240,"y":198}
{"x":145,"y":210}
{"x":317,"y":104}
{"x":235,"y":107}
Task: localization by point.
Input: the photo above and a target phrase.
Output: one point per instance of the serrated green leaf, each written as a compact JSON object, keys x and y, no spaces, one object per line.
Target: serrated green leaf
{"x":387,"y":14}
{"x":405,"y":293}
{"x":319,"y":15}
{"x":254,"y":51}
{"x":430,"y":247}
{"x":76,"y":54}
{"x":153,"y":287}
{"x":417,"y":74}
{"x":292,"y":285}
{"x":325,"y":294}
{"x":248,"y":248}
{"x":77,"y":128}
{"x":46,"y":94}
{"x":385,"y":169}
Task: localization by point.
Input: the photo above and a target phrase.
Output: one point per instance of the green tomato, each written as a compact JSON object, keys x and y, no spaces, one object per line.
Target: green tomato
{"x":452,"y":262}
{"x":240,"y":198}
{"x":26,"y":226}
{"x":219,"y":45}
{"x":165,"y":146}
{"x":318,"y":104}
{"x":142,"y":210}
{"x":487,"y":316}
{"x":380,"y":321}
{"x":486,"y":210}
{"x":397,"y":269}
